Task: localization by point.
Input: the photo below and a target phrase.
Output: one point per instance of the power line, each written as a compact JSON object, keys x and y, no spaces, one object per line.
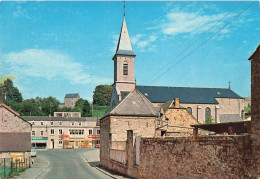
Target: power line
{"x":203,"y":42}
{"x":188,"y":47}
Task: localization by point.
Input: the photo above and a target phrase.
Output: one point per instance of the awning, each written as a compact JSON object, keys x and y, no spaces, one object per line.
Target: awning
{"x":39,"y":141}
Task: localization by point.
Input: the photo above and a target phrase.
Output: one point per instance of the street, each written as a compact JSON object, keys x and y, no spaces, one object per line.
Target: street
{"x":68,"y":164}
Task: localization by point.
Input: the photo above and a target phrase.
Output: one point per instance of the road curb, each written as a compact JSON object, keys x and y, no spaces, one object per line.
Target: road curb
{"x":98,"y":168}
{"x":48,"y":164}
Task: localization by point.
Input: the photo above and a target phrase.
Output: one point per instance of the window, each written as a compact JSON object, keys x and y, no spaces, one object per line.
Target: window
{"x":52,"y":123}
{"x":60,"y":123}
{"x":242,"y":114}
{"x":72,"y":103}
{"x":42,"y":123}
{"x":125,"y":68}
{"x":60,"y":141}
{"x":41,"y":133}
{"x":32,"y":123}
{"x":189,"y":110}
{"x":79,"y":123}
{"x":90,"y":131}
{"x":72,"y":123}
{"x":52,"y":131}
{"x":60,"y":131}
{"x":98,"y":131}
{"x":207,"y":113}
{"x":33,"y":132}
{"x":98,"y":141}
{"x":76,"y":132}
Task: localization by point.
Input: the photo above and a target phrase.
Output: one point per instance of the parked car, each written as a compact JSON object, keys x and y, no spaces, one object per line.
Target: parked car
{"x":33,"y":152}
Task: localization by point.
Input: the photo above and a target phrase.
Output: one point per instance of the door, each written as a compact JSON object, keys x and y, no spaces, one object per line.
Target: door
{"x":52,"y":141}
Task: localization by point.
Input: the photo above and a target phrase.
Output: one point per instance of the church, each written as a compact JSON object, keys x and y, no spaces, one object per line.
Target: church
{"x":216,"y":104}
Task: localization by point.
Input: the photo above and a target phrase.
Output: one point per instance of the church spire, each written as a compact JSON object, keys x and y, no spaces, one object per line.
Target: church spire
{"x":124,"y":46}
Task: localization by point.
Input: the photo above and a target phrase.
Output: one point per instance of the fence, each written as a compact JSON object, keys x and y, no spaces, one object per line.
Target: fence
{"x":118,"y":151}
{"x":9,"y":166}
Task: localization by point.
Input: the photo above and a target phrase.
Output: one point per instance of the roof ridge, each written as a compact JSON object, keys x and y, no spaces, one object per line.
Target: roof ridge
{"x":183,"y":87}
{"x":147,"y":100}
{"x":121,"y":102}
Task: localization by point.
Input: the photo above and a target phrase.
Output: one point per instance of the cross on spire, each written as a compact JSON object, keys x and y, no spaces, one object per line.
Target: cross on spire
{"x":124,"y":8}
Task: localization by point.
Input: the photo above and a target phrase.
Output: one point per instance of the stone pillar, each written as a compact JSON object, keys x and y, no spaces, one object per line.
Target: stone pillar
{"x":255,"y":110}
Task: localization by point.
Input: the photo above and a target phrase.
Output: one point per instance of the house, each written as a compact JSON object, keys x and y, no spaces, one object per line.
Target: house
{"x":175,"y":120}
{"x":15,"y":136}
{"x":135,"y":112}
{"x":202,"y":103}
{"x":64,"y":132}
{"x":70,"y":100}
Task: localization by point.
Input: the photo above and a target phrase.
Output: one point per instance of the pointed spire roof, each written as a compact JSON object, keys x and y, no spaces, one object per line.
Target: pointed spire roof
{"x":134,"y":104}
{"x":124,"y":46}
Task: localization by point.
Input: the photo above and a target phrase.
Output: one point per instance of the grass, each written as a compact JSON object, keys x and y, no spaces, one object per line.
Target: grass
{"x":99,"y":111}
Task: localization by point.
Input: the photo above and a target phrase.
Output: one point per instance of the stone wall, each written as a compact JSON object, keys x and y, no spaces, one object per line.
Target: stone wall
{"x":255,"y":111}
{"x":205,"y":157}
{"x":12,"y":123}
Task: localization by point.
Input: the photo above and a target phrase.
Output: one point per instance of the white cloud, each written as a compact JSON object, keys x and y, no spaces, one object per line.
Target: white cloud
{"x":20,"y":12}
{"x":49,"y":64}
{"x":144,"y":42}
{"x":189,"y":22}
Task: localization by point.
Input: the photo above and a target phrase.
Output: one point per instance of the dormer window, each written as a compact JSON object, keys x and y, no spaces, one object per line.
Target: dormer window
{"x":125,"y":68}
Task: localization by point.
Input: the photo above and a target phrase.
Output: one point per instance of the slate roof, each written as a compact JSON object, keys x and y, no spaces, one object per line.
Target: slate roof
{"x":47,"y":118}
{"x":124,"y":46}
{"x":229,"y":118}
{"x":134,"y":104}
{"x":72,"y":95}
{"x":15,"y":141}
{"x":162,"y":94}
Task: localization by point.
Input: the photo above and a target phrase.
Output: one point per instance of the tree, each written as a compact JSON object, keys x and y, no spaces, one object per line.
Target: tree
{"x":83,"y":106}
{"x":248,"y":109}
{"x":210,"y":120}
{"x":102,"y":95}
{"x":9,"y":93}
{"x":49,"y":105}
{"x":31,"y":107}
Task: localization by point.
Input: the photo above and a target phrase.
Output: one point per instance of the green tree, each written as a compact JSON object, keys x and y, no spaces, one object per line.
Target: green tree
{"x":210,"y":121}
{"x":10,"y":93}
{"x":83,"y":106}
{"x":49,"y":105}
{"x":248,"y":109}
{"x":31,"y":107}
{"x":102,"y":95}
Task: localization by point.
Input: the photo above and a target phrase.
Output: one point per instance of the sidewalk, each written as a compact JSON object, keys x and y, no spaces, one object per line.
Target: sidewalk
{"x":37,"y":168}
{"x":92,"y":157}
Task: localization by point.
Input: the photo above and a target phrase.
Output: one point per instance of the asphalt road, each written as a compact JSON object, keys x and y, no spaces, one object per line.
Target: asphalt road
{"x":69,"y":164}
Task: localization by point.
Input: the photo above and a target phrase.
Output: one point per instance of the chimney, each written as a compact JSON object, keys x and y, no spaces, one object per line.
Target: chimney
{"x":177,"y":102}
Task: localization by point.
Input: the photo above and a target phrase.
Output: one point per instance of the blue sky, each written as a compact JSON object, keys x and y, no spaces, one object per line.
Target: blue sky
{"x":54,"y":48}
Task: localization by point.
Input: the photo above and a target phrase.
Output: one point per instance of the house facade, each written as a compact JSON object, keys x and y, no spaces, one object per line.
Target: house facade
{"x":135,"y":112}
{"x":64,"y":132}
{"x":70,"y":100}
{"x":15,"y":135}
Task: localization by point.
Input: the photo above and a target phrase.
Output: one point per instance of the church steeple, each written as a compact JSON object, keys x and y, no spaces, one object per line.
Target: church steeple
{"x":124,"y":81}
{"x":124,"y":46}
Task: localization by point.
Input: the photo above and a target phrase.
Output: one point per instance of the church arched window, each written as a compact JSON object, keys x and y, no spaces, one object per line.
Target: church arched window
{"x":125,"y":68}
{"x":189,"y":110}
{"x":207,"y":113}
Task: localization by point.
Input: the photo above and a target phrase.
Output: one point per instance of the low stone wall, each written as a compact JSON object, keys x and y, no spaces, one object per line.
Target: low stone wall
{"x":205,"y":157}
{"x":118,"y":156}
{"x":113,"y":165}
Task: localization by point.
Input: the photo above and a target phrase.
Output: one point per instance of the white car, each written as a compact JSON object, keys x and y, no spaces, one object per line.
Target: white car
{"x":33,"y":152}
